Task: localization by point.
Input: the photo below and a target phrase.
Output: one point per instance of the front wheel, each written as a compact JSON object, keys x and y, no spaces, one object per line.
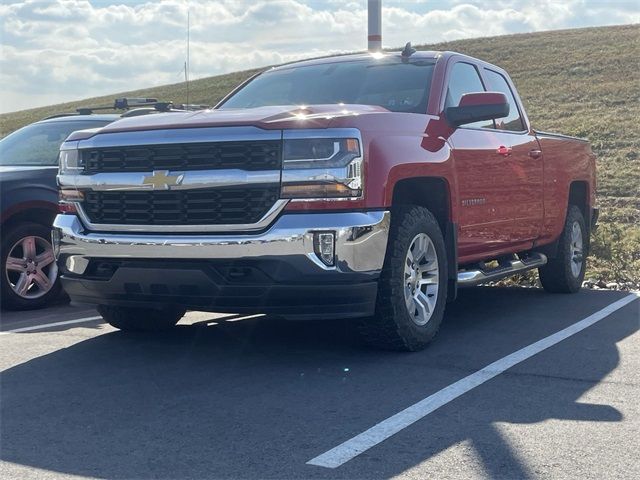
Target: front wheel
{"x":565,"y":272}
{"x":29,"y":271}
{"x":141,"y":319}
{"x":412,"y":289}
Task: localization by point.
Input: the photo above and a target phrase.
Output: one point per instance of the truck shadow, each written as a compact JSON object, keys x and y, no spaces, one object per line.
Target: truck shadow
{"x":257,"y":398}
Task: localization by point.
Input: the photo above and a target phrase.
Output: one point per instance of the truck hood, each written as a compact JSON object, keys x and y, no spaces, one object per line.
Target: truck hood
{"x":273,"y":117}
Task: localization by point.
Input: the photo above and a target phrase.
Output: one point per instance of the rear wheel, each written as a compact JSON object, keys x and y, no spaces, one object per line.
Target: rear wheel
{"x":141,"y":319}
{"x":29,"y":271}
{"x":412,"y":289}
{"x":565,"y":272}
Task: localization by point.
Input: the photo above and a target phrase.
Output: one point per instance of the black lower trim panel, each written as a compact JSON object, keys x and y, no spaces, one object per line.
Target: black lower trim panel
{"x":247,"y":290}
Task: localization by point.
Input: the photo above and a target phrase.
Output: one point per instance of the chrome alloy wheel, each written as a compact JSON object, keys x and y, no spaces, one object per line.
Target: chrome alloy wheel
{"x":30,"y":268}
{"x":421,"y":279}
{"x":576,"y":249}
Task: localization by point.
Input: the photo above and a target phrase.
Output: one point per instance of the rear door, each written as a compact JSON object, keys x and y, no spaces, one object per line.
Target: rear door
{"x":525,"y":162}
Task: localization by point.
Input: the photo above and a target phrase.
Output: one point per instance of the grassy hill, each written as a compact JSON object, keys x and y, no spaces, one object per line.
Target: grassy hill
{"x":582,"y":82}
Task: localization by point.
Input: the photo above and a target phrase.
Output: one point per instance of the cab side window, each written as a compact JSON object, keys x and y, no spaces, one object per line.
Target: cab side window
{"x":464,"y":78}
{"x":497,"y":83}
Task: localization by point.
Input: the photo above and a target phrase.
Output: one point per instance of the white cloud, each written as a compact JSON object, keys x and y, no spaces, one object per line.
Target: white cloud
{"x":57,"y":50}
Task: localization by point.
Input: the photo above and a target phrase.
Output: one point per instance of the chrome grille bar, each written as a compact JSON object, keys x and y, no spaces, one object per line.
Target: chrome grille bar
{"x":195,"y":179}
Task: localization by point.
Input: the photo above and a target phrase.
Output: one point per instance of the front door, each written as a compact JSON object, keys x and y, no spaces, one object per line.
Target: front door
{"x":484,"y":178}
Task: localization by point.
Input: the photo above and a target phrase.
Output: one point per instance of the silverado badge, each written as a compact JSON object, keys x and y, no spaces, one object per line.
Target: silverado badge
{"x":161,"y":180}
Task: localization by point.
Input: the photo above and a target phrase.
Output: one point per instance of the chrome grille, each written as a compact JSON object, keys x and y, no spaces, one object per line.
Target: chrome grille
{"x":245,"y":155}
{"x":211,"y":206}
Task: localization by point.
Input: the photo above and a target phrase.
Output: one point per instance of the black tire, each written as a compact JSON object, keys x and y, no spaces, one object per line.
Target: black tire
{"x":136,"y":319}
{"x":557,"y":275}
{"x":393,"y":327}
{"x":36,"y":296}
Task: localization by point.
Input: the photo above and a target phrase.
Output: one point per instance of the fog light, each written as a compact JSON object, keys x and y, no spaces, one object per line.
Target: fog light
{"x":76,"y":264}
{"x":324,"y":247}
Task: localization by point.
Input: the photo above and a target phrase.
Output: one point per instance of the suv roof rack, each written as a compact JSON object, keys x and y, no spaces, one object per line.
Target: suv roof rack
{"x":59,"y":115}
{"x":135,"y":106}
{"x":191,"y":106}
{"x":164,"y":107}
{"x":123,"y":103}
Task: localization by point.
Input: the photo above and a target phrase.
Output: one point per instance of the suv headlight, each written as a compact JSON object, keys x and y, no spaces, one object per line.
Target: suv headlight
{"x":320,"y":164}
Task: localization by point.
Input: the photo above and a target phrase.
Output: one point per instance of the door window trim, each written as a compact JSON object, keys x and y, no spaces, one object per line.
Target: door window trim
{"x":446,"y":92}
{"x":522,"y":118}
{"x":480,"y":68}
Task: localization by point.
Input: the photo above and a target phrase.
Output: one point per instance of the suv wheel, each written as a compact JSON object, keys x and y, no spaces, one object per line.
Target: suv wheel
{"x":141,"y":319}
{"x":29,"y":271}
{"x":565,"y":272}
{"x":412,"y":289}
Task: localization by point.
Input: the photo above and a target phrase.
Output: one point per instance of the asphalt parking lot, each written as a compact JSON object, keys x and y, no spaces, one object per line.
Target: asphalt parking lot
{"x":234,"y":397}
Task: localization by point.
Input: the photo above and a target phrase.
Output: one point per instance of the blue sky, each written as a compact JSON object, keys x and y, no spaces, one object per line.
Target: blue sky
{"x":59,"y":50}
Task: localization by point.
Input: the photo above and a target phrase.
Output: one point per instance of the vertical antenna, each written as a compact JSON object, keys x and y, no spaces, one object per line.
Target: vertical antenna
{"x":186,"y":64}
{"x":375,"y":25}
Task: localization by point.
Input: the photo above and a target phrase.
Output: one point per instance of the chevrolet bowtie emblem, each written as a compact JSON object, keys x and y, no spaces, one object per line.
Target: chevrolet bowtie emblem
{"x":161,"y":180}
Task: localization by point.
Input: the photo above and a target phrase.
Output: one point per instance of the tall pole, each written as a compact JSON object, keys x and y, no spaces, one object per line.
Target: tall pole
{"x":186,"y":65}
{"x":375,"y":25}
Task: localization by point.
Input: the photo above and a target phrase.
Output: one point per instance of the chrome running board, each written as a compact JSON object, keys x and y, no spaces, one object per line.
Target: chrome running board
{"x":469,"y":277}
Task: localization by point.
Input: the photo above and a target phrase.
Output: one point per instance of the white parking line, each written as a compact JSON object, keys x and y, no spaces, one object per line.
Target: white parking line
{"x":392,"y":425}
{"x":49,"y":325}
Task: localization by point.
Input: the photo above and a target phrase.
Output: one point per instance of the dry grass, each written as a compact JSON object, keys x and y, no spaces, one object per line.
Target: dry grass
{"x":582,"y":82}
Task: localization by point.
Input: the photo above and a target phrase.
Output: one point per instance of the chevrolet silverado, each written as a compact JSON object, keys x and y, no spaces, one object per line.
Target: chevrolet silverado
{"x":364,"y":186}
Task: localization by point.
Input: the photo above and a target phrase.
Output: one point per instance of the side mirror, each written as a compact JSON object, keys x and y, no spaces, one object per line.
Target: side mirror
{"x":475,"y":107}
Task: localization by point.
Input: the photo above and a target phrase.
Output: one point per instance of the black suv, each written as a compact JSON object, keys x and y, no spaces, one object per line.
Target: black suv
{"x":29,"y":196}
{"x":28,"y":204}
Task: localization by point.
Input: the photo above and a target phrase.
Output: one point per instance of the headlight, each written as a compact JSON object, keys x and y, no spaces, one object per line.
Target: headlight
{"x":70,"y":164}
{"x":319,"y":164}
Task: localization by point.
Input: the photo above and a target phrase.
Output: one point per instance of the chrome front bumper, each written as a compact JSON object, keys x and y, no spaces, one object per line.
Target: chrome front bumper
{"x":360,"y":243}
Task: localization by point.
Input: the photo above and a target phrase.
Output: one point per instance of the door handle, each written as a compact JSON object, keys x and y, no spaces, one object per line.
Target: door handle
{"x":535,"y":153}
{"x":504,"y":151}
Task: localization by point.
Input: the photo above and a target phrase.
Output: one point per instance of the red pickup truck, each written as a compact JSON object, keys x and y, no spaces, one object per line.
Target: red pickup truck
{"x":365,"y":186}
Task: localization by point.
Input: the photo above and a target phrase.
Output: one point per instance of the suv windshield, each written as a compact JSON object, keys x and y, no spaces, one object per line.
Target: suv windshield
{"x":38,"y":144}
{"x":399,"y":86}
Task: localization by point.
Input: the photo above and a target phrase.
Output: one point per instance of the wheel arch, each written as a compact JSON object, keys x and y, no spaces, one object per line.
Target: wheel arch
{"x":433,"y":193}
{"x":36,"y":212}
{"x":579,"y":196}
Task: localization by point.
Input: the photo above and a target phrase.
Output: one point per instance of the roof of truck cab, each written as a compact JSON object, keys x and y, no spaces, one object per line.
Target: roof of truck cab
{"x":423,"y":54}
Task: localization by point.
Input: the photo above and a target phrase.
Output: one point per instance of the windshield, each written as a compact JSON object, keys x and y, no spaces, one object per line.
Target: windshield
{"x":38,"y":144}
{"x":390,"y":83}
